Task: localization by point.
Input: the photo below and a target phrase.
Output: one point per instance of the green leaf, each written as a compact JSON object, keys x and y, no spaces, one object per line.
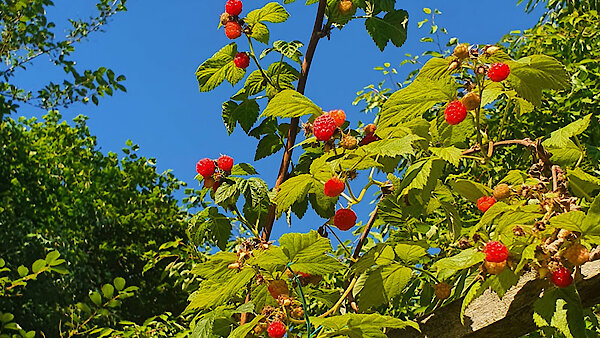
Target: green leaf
{"x":271,"y":12}
{"x":246,"y":114}
{"x":38,"y":265}
{"x":108,"y":291}
{"x":290,"y":50}
{"x":23,"y":271}
{"x":243,"y":169}
{"x":218,"y":68}
{"x":572,"y":220}
{"x":391,"y":27}
{"x":96,"y":298}
{"x":409,"y":253}
{"x":469,"y":297}
{"x":268,"y":145}
{"x":582,"y":184}
{"x":290,"y":103}
{"x":530,"y":75}
{"x":291,"y":191}
{"x":561,"y":308}
{"x":214,"y":294}
{"x":465,"y":259}
{"x":383,"y":284}
{"x":352,"y":320}
{"x":451,"y":155}
{"x":411,"y":102}
{"x":423,"y":175}
{"x":470,"y":190}
{"x":243,"y":330}
{"x":119,"y":283}
{"x":561,"y":137}
{"x":392,"y":147}
{"x":591,"y":222}
{"x":51,"y":257}
{"x":501,"y":282}
{"x":308,"y":253}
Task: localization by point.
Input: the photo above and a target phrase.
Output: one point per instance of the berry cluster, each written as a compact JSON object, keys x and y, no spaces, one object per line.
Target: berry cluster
{"x":456,"y":111}
{"x":233,"y":29}
{"x":212,"y":171}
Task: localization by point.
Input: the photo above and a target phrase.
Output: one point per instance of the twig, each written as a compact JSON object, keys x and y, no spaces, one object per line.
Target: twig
{"x":525,"y":142}
{"x":365,"y":234}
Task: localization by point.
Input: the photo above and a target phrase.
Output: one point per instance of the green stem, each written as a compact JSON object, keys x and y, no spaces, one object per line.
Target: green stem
{"x":426,"y":272}
{"x":504,"y":118}
{"x":582,"y":149}
{"x":308,"y":326}
{"x":339,"y":240}
{"x":262,"y":72}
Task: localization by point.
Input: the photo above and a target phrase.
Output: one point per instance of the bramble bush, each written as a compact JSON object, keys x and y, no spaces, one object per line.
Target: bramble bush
{"x":453,"y":166}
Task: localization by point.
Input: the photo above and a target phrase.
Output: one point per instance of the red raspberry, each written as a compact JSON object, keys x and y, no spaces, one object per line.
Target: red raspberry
{"x":241,"y":60}
{"x":334,"y":187}
{"x":225,"y":163}
{"x":324,"y":127}
{"x":498,"y":72}
{"x":338,"y":116}
{"x":370,"y":129}
{"x":485,"y":202}
{"x":561,"y":277}
{"x":344,"y":219}
{"x":205,"y":167}
{"x":455,"y":112}
{"x":277,"y":329}
{"x":495,"y":252}
{"x":233,"y":30}
{"x":233,"y":7}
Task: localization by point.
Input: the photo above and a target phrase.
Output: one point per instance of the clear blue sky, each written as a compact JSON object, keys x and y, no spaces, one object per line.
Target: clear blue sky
{"x":158,"y":45}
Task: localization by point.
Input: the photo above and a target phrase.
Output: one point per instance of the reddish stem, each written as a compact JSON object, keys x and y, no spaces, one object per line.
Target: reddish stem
{"x":293,"y":130}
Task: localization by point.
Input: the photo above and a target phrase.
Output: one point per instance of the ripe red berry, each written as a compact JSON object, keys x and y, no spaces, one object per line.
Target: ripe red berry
{"x":277,"y":329}
{"x":455,"y":112}
{"x":334,"y":187}
{"x":233,"y":7}
{"x":485,"y":202}
{"x":495,"y":252}
{"x":561,"y":277}
{"x":338,"y":116}
{"x":241,"y":60}
{"x":233,"y":30}
{"x":205,"y":167}
{"x":498,"y":72}
{"x":370,"y":129}
{"x":324,"y":127}
{"x":344,"y":219}
{"x":225,"y":163}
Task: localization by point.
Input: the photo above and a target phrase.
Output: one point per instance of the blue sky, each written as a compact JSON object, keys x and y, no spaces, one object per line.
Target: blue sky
{"x":158,"y":45}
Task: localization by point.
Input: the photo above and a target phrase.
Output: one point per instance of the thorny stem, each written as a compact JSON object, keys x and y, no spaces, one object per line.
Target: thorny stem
{"x":477,"y":113}
{"x":293,"y":129}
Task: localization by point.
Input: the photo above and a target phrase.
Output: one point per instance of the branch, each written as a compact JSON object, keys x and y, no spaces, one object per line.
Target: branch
{"x":293,"y":130}
{"x":525,"y":142}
